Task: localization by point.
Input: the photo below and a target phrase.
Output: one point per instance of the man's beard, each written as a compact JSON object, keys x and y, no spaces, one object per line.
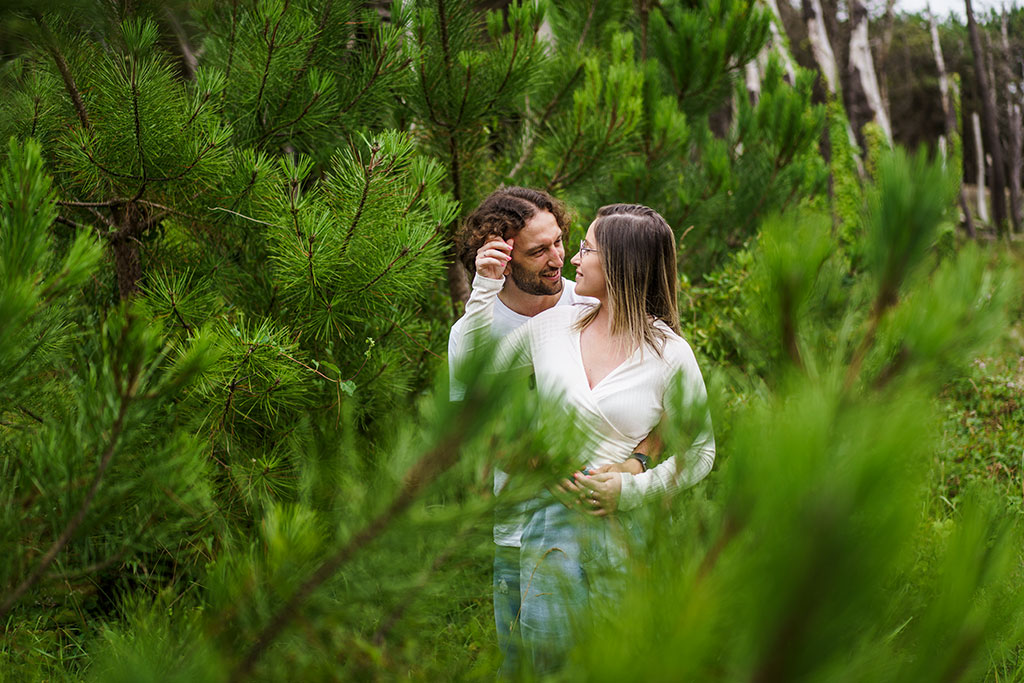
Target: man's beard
{"x":532,"y":283}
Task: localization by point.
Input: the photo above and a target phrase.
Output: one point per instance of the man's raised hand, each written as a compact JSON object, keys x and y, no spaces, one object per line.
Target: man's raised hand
{"x":492,"y":258}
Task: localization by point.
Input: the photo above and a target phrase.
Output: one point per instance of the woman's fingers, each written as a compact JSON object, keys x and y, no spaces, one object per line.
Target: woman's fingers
{"x":493,"y":256}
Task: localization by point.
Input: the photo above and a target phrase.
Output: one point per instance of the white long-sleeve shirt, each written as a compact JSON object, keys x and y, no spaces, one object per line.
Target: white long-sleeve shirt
{"x":623,"y":407}
{"x":500,"y":321}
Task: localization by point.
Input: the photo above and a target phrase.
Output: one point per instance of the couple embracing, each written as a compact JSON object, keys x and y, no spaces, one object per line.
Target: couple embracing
{"x":609,"y":346}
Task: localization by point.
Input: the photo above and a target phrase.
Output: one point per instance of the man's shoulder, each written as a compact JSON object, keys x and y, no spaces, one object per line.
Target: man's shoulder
{"x":570,"y":297}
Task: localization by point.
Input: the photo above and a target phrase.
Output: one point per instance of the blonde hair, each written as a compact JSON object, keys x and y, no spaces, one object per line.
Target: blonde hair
{"x":638,"y":259}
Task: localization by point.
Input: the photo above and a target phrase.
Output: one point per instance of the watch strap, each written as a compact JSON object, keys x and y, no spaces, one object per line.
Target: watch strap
{"x":644,"y":461}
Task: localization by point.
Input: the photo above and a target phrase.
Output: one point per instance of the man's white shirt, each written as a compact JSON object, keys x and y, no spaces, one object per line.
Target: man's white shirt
{"x":508,"y":528}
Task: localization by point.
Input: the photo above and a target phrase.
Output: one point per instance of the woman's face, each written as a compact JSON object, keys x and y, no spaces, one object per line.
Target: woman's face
{"x":589,"y":275}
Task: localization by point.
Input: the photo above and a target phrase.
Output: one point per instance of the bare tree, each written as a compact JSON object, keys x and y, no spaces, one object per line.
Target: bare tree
{"x":991,"y":128}
{"x":825,"y":58}
{"x":1015,"y":88}
{"x":821,"y":47}
{"x":950,"y":92}
{"x":979,"y":151}
{"x":778,"y":41}
{"x":866,"y":97}
{"x":883,"y":50}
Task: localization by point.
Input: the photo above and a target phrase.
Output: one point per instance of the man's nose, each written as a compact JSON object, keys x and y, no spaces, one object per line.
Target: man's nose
{"x":556,"y":258}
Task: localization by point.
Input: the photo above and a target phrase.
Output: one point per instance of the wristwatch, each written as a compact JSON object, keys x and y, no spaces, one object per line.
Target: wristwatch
{"x":644,"y":461}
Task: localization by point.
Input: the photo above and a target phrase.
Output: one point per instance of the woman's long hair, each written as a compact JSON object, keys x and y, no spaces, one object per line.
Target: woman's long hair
{"x":638,"y":259}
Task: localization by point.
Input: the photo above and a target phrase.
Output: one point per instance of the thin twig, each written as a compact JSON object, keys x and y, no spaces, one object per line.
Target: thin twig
{"x":65,"y":73}
{"x":426,"y":470}
{"x":76,"y":521}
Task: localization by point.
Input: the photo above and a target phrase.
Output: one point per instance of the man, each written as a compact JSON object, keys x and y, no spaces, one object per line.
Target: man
{"x":537,"y":224}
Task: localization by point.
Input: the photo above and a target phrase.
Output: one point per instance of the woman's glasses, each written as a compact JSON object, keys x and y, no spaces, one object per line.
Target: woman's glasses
{"x":584,"y":249}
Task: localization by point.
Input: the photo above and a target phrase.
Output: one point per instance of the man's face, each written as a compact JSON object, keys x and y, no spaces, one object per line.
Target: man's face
{"x":536,"y":265}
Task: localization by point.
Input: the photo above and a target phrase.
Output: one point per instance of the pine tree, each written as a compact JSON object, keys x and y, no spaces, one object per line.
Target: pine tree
{"x":225,"y":436}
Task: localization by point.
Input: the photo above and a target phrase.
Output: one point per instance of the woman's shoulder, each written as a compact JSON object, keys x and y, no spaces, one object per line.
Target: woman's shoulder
{"x":676,"y":350}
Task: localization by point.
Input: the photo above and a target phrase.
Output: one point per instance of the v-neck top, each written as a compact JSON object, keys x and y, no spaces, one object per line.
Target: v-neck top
{"x":621,"y":409}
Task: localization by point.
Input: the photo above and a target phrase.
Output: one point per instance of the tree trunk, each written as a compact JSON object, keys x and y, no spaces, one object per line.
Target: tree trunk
{"x":458,"y":283}
{"x":752,"y":77}
{"x":778,"y":42}
{"x":126,"y":264}
{"x":988,"y":109}
{"x":950,"y":94}
{"x":821,"y":48}
{"x":1013,"y":112}
{"x":883,"y":52}
{"x":866,"y":97}
{"x":979,"y":152}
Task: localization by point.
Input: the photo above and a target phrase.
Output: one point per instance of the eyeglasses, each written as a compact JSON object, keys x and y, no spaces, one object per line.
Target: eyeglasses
{"x":584,"y":249}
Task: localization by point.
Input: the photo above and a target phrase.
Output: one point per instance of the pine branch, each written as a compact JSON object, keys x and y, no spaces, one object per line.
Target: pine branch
{"x":177,"y":314}
{"x":508,"y":71}
{"x":138,"y":125}
{"x":434,"y":463}
{"x":92,"y":568}
{"x":231,"y":48}
{"x":35,"y":114}
{"x":76,"y":521}
{"x":377,"y":68}
{"x":442,"y":22}
{"x":586,"y":25}
{"x":162,"y":179}
{"x":67,"y":221}
{"x":465,"y":94}
{"x":399,"y":610}
{"x":531,"y":143}
{"x":315,"y":43}
{"x":199,"y":108}
{"x":288,"y":124}
{"x":29,"y":413}
{"x":65,"y":73}
{"x":188,"y":56}
{"x":367,"y":177}
{"x":266,"y":67}
{"x":422,"y":70}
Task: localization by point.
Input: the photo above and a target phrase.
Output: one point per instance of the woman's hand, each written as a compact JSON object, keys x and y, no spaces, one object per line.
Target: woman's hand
{"x":628,"y":466}
{"x":492,"y":258}
{"x":601,"y":492}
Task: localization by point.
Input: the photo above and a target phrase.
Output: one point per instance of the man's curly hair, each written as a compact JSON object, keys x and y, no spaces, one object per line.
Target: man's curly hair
{"x":504,"y":213}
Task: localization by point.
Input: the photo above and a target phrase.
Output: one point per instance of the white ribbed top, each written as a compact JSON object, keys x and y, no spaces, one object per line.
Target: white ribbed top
{"x":623,"y":408}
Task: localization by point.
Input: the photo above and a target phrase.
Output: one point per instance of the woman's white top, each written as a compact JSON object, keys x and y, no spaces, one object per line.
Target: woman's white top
{"x":621,"y":409}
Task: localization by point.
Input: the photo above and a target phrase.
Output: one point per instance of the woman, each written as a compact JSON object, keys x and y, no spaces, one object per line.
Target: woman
{"x":613,"y":364}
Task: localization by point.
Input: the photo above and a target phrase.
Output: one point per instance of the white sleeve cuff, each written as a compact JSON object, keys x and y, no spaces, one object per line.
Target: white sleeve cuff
{"x":629,"y":496}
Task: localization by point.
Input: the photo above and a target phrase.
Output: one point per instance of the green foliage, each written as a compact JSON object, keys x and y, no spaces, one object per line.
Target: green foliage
{"x":846,"y":186}
{"x":702,"y":48}
{"x":225,"y":440}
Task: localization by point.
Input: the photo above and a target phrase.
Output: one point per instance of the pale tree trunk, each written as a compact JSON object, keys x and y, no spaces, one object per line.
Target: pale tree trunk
{"x":950,"y":93}
{"x":988,"y":110}
{"x":821,"y":48}
{"x":979,"y":152}
{"x":862,"y":73}
{"x":1013,"y":111}
{"x":778,"y":42}
{"x":752,"y":78}
{"x":883,"y":52}
{"x":753,"y":71}
{"x":825,"y":58}
{"x":1013,"y":124}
